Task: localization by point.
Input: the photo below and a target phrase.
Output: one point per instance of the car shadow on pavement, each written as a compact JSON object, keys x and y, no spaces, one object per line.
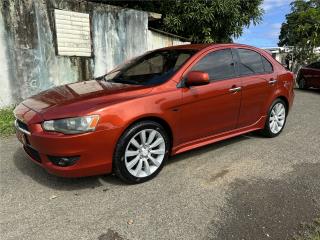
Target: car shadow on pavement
{"x":212,"y":147}
{"x":38,"y":174}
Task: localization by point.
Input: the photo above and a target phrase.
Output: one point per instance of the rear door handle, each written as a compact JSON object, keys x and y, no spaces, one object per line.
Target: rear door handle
{"x":272,"y":81}
{"x":235,"y":89}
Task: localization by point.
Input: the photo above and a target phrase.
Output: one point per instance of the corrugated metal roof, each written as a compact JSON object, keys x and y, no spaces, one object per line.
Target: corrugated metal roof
{"x":169,"y":34}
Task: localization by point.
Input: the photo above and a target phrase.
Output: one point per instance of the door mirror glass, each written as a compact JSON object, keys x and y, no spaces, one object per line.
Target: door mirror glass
{"x":197,"y":78}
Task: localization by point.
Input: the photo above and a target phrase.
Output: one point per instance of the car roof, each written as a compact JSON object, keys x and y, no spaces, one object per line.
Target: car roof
{"x":205,"y":45}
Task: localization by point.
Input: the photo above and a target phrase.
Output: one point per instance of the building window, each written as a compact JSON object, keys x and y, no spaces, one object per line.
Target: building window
{"x":72,"y":33}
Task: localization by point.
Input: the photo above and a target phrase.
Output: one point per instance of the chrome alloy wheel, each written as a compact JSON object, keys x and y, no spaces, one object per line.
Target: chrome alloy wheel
{"x":277,"y":118}
{"x":145,"y":153}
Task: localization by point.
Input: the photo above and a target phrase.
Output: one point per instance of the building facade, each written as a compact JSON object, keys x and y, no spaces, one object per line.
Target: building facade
{"x":44,"y":43}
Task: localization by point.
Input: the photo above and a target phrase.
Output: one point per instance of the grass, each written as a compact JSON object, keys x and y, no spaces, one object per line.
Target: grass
{"x":309,"y":231}
{"x":6,"y":122}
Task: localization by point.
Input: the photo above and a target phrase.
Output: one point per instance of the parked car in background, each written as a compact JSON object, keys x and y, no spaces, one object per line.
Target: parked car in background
{"x":163,"y":103}
{"x":309,"y":76}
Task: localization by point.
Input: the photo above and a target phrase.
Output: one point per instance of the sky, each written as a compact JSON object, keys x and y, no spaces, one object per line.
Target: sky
{"x":266,"y":34}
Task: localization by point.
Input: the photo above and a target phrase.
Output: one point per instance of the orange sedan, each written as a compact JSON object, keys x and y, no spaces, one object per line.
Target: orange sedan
{"x":165,"y":102}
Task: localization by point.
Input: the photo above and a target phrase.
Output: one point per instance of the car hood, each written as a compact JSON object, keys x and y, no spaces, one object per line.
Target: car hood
{"x":81,"y":97}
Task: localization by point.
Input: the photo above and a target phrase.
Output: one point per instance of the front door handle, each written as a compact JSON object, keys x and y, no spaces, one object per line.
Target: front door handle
{"x":235,"y":89}
{"x":272,"y":81}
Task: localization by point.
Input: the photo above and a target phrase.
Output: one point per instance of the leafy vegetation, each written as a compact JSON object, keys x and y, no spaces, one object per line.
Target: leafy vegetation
{"x":302,"y":30}
{"x":310,"y":231}
{"x":6,"y":121}
{"x":201,"y":20}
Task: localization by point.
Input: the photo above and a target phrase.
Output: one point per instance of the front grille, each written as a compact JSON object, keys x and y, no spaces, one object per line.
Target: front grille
{"x":22,"y":125}
{"x":34,"y":154}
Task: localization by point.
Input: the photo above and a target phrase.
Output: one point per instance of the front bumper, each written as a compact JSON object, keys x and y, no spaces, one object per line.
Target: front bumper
{"x":94,"y":149}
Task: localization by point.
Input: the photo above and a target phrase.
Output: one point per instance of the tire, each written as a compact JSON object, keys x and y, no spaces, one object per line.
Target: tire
{"x":302,"y":84}
{"x":138,"y":159}
{"x":276,"y":118}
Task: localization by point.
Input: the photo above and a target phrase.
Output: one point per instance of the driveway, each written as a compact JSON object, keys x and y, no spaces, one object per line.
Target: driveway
{"x":248,"y":187}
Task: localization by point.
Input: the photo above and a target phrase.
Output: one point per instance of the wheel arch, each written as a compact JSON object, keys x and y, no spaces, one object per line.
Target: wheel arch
{"x":156,"y":119}
{"x":286,"y":101}
{"x":117,"y":165}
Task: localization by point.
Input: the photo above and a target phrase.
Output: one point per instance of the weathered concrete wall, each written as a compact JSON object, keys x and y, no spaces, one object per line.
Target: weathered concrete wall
{"x":28,"y":59}
{"x":5,"y":89}
{"x":117,"y":36}
{"x":33,"y":61}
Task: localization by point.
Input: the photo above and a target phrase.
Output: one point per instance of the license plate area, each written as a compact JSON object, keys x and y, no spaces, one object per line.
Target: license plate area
{"x":22,"y":137}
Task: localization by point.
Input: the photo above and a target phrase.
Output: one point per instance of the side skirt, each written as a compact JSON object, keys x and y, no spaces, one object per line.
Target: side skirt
{"x":218,"y":137}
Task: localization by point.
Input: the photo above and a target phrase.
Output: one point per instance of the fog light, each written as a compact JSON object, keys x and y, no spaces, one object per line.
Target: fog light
{"x":63,"y":161}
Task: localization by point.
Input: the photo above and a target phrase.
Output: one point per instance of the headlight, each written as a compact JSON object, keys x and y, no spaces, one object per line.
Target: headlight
{"x":72,"y":125}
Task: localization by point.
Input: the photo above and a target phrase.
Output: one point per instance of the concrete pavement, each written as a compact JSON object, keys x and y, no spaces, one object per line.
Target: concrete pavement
{"x":248,"y":187}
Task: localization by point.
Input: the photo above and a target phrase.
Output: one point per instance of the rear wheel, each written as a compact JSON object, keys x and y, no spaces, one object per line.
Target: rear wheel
{"x":276,"y":119}
{"x":141,"y":152}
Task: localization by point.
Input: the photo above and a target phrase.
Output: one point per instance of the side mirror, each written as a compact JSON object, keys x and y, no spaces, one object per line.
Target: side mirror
{"x":197,"y":78}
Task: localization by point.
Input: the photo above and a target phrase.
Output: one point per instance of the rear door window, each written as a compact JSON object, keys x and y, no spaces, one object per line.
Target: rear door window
{"x":218,"y":64}
{"x":250,"y":62}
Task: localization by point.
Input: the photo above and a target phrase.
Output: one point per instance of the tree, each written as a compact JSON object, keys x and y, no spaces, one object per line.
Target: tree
{"x":201,"y":20}
{"x":301,"y":30}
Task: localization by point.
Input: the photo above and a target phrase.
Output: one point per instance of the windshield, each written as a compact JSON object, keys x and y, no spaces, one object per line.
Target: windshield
{"x":152,"y":68}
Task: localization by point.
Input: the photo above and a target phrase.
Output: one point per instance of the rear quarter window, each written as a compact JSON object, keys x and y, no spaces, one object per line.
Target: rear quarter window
{"x":267,"y":65}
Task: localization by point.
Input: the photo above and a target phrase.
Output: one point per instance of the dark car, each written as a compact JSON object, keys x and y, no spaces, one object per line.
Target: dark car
{"x":309,"y":76}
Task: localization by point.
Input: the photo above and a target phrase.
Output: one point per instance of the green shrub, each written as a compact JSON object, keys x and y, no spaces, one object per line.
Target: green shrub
{"x":6,"y":121}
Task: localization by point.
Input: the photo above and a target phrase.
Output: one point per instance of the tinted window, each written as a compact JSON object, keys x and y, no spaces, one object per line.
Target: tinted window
{"x":267,"y":65}
{"x":218,"y":64}
{"x":250,"y":62}
{"x":315,"y":65}
{"x":150,"y":66}
{"x":153,"y":68}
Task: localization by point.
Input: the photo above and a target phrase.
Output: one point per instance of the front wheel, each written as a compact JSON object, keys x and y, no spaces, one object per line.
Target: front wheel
{"x":141,"y":152}
{"x":276,"y":119}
